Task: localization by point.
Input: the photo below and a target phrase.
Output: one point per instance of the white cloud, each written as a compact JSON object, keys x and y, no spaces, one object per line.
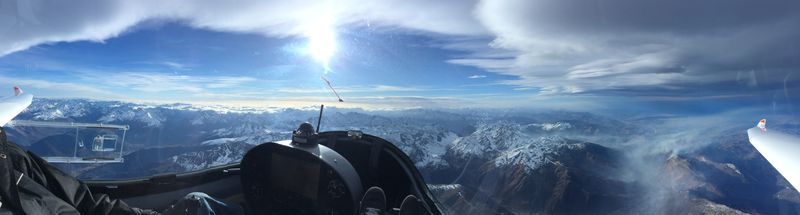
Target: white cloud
{"x":476,"y":76}
{"x":160,"y":82}
{"x":175,"y":65}
{"x":568,"y":46}
{"x":572,"y":46}
{"x":363,"y":102}
{"x":493,"y":64}
{"x":390,"y":88}
{"x":29,"y":23}
{"x":358,"y":89}
{"x":63,"y":89}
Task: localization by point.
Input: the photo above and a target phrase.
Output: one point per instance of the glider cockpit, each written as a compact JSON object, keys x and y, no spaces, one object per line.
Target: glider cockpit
{"x":324,"y":173}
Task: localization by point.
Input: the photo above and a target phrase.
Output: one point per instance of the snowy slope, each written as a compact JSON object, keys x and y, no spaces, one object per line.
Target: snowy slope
{"x":215,"y":156}
{"x":507,"y":144}
{"x":490,"y":139}
{"x":535,"y":152}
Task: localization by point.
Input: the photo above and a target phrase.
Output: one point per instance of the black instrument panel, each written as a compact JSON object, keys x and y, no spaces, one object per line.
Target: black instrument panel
{"x":283,"y":178}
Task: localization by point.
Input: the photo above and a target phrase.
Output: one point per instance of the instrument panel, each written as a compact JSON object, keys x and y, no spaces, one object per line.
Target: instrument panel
{"x":285,"y":178}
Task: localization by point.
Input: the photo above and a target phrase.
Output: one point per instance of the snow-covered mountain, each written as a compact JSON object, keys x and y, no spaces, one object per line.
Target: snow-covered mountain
{"x":556,"y":126}
{"x":484,"y":161}
{"x":490,"y":139}
{"x":534,"y":154}
{"x":218,"y":155}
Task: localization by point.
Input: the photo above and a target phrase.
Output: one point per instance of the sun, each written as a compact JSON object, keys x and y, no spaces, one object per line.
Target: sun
{"x":322,"y":44}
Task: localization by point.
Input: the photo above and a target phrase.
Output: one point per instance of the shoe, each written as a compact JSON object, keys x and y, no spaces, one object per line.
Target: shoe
{"x":411,"y":206}
{"x":373,"y":202}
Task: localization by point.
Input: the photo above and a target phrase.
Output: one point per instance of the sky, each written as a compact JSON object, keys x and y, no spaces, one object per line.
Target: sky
{"x":625,"y":55}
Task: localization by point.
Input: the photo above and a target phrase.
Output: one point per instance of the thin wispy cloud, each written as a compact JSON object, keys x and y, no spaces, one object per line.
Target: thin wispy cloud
{"x":362,"y":102}
{"x":492,"y":64}
{"x":359,"y":89}
{"x":389,"y":88}
{"x":476,"y":76}
{"x":175,"y":65}
{"x":161,"y":82}
{"x":62,"y":89}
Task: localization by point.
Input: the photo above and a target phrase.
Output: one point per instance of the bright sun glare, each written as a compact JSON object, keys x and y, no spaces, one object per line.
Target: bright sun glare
{"x":322,"y":44}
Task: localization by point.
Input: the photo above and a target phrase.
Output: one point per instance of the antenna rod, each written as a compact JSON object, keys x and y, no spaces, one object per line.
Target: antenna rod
{"x":319,"y":120}
{"x":334,"y":90}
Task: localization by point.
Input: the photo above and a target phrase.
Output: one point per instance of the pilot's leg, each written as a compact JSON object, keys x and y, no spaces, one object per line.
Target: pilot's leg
{"x":28,"y":184}
{"x":411,"y":206}
{"x":198,"y":203}
{"x":373,"y":202}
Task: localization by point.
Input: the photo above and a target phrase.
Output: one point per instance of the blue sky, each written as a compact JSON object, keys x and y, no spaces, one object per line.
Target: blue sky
{"x":172,"y":62}
{"x":677,"y":56}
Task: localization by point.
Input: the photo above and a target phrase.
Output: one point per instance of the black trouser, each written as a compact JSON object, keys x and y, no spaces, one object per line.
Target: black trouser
{"x":198,"y":203}
{"x":30,"y":185}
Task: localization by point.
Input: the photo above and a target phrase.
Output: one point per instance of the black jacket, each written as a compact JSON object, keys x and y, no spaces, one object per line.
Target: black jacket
{"x":29,"y":185}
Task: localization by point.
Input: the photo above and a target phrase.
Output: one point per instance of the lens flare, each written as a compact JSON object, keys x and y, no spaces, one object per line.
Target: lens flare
{"x":322,"y":44}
